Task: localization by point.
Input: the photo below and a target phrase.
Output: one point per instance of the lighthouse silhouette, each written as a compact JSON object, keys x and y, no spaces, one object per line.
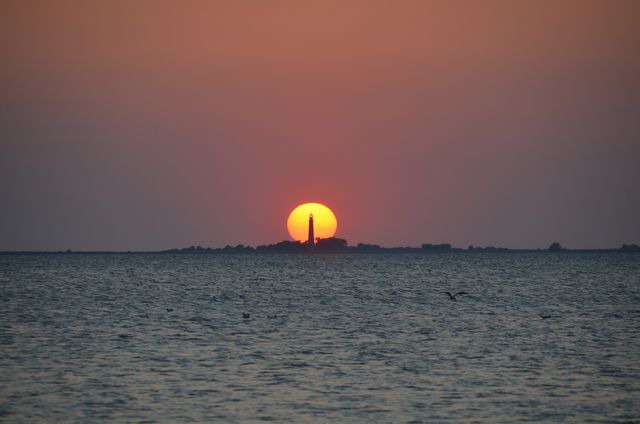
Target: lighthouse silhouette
{"x":312,"y":240}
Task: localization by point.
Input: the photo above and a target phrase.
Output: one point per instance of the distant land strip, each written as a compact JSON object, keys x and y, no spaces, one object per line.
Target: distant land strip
{"x":338,"y":245}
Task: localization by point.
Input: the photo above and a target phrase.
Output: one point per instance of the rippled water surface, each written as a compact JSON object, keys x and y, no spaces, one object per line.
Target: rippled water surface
{"x":343,"y":338}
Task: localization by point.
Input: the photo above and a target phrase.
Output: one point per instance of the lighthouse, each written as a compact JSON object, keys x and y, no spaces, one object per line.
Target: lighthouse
{"x":312,"y":239}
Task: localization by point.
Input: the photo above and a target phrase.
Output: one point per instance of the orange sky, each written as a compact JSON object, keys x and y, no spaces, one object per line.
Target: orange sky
{"x":149,"y":124}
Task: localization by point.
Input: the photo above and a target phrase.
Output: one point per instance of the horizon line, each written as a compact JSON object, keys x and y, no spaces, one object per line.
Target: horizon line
{"x":341,"y":246}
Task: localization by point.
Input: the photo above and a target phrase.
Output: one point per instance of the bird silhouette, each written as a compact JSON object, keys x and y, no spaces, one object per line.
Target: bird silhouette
{"x":454,"y":296}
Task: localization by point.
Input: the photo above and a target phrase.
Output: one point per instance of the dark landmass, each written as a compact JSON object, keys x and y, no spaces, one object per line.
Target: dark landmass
{"x":338,"y":245}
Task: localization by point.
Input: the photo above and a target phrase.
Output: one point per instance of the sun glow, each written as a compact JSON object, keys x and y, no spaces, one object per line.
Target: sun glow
{"x":324,"y":221}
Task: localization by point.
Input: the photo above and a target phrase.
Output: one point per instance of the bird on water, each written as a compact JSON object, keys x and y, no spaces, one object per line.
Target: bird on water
{"x":454,"y":296}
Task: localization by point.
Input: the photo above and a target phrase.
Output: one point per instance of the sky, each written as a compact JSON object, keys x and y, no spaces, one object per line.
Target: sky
{"x":144,"y":125}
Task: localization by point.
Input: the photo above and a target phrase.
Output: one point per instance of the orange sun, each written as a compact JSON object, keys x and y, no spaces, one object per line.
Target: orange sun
{"x":324,"y":221}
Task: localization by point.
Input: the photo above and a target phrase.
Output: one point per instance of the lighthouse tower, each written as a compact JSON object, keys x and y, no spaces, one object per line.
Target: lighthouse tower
{"x":312,"y":239}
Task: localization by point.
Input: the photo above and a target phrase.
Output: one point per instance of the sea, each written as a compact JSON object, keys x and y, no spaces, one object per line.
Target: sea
{"x":306,"y":338}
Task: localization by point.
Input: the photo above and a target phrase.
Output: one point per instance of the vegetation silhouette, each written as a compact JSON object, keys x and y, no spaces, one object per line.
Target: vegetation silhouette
{"x":339,"y":245}
{"x":555,"y":247}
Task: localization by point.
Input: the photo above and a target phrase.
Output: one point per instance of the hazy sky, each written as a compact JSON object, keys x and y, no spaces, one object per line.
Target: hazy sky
{"x":149,"y":124}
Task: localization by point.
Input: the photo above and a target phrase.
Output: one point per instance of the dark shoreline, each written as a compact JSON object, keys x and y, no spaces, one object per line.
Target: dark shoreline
{"x":349,"y":250}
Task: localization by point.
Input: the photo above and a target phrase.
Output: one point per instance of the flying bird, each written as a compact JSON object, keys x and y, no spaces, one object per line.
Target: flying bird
{"x":453,"y":296}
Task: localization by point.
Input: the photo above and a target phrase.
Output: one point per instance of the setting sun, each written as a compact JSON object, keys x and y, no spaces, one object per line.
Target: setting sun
{"x":324,"y":221}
